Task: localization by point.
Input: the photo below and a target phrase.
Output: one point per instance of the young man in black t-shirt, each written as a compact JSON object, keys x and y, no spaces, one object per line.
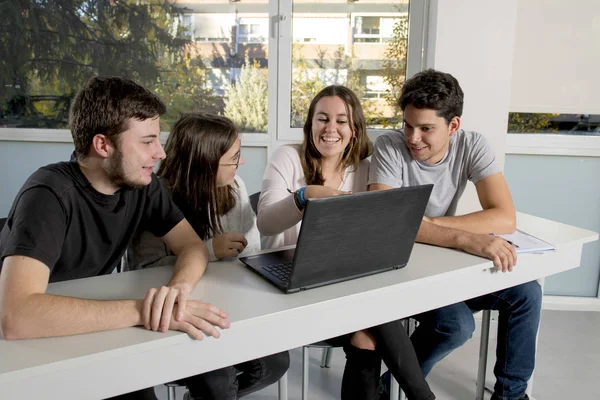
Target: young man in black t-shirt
{"x":75,"y":219}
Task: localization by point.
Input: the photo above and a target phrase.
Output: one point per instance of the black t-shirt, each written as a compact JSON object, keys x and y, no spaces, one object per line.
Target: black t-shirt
{"x":59,"y":219}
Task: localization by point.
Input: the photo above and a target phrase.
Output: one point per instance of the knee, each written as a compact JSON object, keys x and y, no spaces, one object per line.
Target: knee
{"x":278,"y":363}
{"x":531,"y":294}
{"x":455,"y":322}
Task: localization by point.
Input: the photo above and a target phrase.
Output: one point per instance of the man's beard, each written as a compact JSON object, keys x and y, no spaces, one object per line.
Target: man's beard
{"x":116,"y":173}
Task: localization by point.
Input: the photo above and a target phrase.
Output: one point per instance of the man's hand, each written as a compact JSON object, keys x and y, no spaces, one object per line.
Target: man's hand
{"x":495,"y":248}
{"x":200,"y":317}
{"x":363,"y":340}
{"x":318,"y":191}
{"x":229,"y":244}
{"x":159,"y":304}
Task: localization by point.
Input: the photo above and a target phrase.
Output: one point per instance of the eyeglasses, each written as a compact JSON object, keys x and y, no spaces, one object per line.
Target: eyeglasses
{"x":236,"y":164}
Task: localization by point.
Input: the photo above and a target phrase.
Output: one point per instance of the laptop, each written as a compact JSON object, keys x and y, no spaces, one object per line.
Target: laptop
{"x":347,"y":237}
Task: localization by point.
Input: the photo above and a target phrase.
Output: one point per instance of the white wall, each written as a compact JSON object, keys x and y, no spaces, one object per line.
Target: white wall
{"x":473,"y":40}
{"x":557,"y":57}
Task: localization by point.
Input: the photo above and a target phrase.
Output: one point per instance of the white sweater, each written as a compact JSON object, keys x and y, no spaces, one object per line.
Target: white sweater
{"x":149,"y":251}
{"x":279,"y":219}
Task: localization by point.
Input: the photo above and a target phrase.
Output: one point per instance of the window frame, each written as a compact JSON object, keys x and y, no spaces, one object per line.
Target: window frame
{"x":279,"y":83}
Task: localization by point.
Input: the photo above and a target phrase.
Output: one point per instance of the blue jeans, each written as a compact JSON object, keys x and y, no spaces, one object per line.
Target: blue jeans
{"x":443,"y":330}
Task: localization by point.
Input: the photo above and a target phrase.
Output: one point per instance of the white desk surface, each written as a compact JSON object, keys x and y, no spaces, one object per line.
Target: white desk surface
{"x":263,"y":320}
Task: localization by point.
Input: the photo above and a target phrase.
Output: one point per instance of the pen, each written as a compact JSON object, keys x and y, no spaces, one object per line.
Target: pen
{"x":516,"y":246}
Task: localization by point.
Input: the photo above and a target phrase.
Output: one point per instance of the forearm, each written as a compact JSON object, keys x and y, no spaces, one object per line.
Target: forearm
{"x":437,"y":235}
{"x":494,"y":220}
{"x":190,"y":265}
{"x":45,"y":315}
{"x":277,"y":217}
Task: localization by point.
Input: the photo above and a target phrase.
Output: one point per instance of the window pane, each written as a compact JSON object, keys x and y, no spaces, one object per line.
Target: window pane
{"x":196,"y":56}
{"x":564,"y":124}
{"x":361,"y":45}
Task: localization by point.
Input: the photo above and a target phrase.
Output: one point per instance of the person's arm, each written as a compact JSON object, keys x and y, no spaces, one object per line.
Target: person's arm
{"x":27,"y":311}
{"x":492,"y":247}
{"x":192,"y":259}
{"x":498,"y":214}
{"x":276,"y":208}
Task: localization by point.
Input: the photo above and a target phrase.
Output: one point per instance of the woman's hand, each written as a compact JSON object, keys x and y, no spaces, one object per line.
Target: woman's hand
{"x":229,"y":244}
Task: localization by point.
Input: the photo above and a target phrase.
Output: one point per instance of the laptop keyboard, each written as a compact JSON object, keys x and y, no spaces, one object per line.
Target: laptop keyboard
{"x":281,"y":271}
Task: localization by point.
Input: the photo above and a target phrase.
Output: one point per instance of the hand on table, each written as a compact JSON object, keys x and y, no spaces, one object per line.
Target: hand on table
{"x":169,"y":308}
{"x":492,"y":247}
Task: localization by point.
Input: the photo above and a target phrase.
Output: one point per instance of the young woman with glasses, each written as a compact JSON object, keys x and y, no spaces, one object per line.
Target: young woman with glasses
{"x":203,"y":153}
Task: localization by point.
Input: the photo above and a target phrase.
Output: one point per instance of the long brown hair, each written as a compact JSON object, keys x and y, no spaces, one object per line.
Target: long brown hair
{"x":193,"y":150}
{"x":359,"y":148}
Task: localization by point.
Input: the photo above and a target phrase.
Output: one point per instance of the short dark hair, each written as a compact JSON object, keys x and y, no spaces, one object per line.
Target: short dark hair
{"x":435,"y":90}
{"x":105,"y":105}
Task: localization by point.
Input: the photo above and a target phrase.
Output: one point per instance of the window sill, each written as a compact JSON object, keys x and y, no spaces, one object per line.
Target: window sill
{"x":553,"y":144}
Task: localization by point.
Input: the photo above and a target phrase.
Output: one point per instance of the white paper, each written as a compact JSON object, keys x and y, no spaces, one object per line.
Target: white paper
{"x":524,"y":243}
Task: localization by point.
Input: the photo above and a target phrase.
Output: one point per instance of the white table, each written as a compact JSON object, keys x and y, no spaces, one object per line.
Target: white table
{"x":263,"y":320}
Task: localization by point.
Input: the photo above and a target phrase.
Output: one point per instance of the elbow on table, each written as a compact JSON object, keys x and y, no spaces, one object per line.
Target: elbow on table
{"x":13,"y":327}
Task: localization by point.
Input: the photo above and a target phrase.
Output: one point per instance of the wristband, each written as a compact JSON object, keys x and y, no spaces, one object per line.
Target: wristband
{"x":301,"y":197}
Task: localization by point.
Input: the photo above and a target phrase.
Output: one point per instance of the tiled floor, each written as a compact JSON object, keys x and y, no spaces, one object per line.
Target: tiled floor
{"x":568,"y":365}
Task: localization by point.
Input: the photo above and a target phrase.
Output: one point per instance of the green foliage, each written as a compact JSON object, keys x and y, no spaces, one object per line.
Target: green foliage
{"x":50,"y":48}
{"x":394,"y":67}
{"x":308,"y":79}
{"x":530,"y":123}
{"x":246,"y":99}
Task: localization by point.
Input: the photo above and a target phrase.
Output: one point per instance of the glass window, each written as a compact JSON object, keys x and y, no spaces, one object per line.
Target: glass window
{"x":185,"y":53}
{"x":564,"y":124}
{"x":354,"y":47}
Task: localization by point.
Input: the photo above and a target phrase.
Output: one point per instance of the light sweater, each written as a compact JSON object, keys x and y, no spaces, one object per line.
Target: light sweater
{"x":279,"y":219}
{"x":147,"y":250}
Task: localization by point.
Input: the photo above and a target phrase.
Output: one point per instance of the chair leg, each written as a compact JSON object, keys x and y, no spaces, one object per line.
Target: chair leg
{"x":305,"y":354}
{"x":326,"y":358}
{"x":395,"y":392}
{"x":483,"y":352}
{"x":283,"y":387}
{"x":171,"y":393}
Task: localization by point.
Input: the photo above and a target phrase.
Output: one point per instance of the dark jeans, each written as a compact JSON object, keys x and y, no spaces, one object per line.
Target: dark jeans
{"x":238,"y":380}
{"x":363,"y":367}
{"x":227,"y":383}
{"x":443,"y":330}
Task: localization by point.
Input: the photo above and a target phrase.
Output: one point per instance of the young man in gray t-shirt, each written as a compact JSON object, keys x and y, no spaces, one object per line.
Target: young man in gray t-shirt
{"x":433,"y":149}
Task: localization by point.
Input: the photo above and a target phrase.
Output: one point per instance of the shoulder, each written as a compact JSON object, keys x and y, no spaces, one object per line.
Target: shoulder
{"x":57,"y":180}
{"x":392,"y":138}
{"x":287,"y":153}
{"x":470,"y":139}
{"x":240,"y":187}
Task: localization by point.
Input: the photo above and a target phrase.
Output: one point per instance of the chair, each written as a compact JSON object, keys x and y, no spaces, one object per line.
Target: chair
{"x":283,"y":391}
{"x":254,"y":202}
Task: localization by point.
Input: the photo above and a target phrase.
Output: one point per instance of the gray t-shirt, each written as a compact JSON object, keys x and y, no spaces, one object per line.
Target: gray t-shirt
{"x":469,"y":158}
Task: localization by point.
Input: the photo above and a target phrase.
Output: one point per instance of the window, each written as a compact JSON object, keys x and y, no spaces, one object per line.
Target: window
{"x":364,"y":51}
{"x":205,"y":56}
{"x":564,"y":124}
